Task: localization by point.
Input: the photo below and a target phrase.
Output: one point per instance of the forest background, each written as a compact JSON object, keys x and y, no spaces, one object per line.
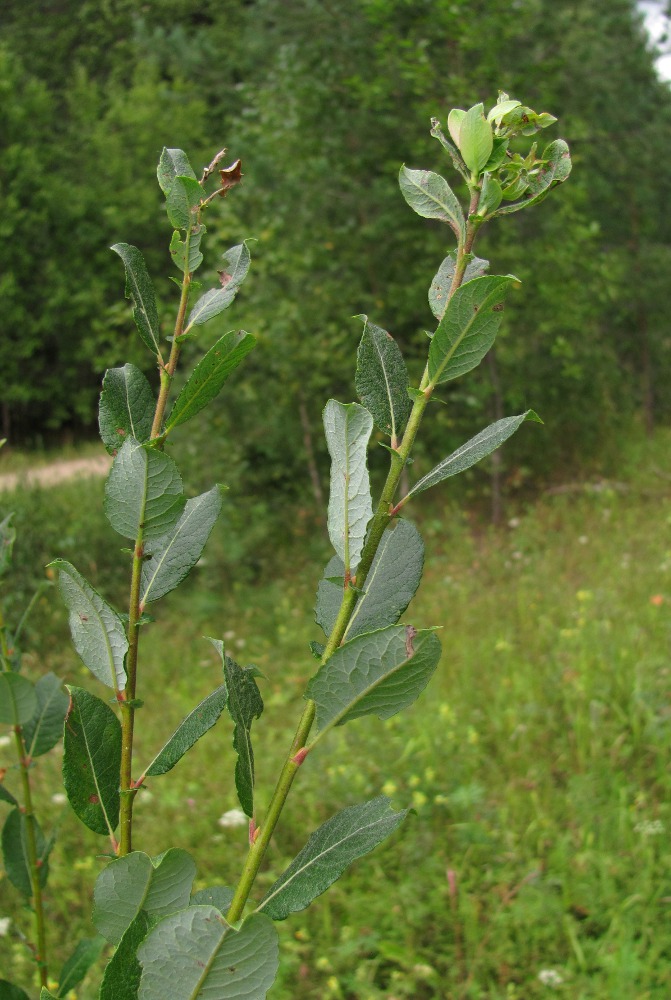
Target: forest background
{"x":323,"y":101}
{"x":537,"y":848}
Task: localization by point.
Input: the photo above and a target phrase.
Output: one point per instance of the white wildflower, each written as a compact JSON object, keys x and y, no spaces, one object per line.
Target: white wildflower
{"x":550,"y":977}
{"x":650,"y":827}
{"x":4,"y":925}
{"x":5,"y":741}
{"x":59,"y":799}
{"x":234,"y":817}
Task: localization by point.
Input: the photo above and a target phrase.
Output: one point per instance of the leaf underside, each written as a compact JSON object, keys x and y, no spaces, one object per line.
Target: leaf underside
{"x":348,"y":428}
{"x":377,"y":673}
{"x":391,"y":583}
{"x":196,"y":954}
{"x":345,"y":837}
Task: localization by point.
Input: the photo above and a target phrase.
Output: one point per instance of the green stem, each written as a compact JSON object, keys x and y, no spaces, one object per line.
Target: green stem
{"x":34,"y":863}
{"x":384,"y":513}
{"x":127,"y":702}
{"x":127,"y":787}
{"x":380,"y":520}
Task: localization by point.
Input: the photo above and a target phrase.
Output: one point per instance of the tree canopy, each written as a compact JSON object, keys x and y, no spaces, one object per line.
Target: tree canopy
{"x":324,"y":102}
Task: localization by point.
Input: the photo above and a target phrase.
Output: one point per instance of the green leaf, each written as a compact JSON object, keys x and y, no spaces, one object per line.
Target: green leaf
{"x":178,"y":249}
{"x":473,"y":451}
{"x":468,"y":328}
{"x":91,"y":761}
{"x":170,"y":558}
{"x":7,"y":539}
{"x":382,"y":379}
{"x":476,"y":139}
{"x":219,"y":896}
{"x":98,"y":633}
{"x":195,"y":725}
{"x":83,"y":957}
{"x":136,"y":882}
{"x":18,"y":700}
{"x":499,"y":153}
{"x":236,"y":265}
{"x":349,"y":835}
{"x":556,"y":169}
{"x":46,"y":726}
{"x":431,"y":196}
{"x":450,"y":149}
{"x":8,"y":991}
{"x":391,"y":583}
{"x":182,"y":200}
{"x":140,"y":290}
{"x":6,"y":796}
{"x":209,"y":375}
{"x":500,"y":109}
{"x":490,"y":196}
{"x":441,"y":284}
{"x":44,"y":995}
{"x":244,"y":705}
{"x":196,"y":954}
{"x":121,"y":979}
{"x":348,"y":428}
{"x":143,"y":490}
{"x":377,"y":673}
{"x":454,"y":120}
{"x":173,"y":163}
{"x":15,"y":852}
{"x":126,"y":408}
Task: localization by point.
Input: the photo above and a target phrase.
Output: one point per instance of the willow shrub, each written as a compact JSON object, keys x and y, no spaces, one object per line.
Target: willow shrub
{"x":161,"y":940}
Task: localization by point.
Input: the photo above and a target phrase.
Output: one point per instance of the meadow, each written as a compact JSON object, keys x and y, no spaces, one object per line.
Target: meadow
{"x":536,"y":862}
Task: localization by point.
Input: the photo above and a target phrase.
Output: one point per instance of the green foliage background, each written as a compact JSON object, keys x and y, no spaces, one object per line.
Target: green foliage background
{"x":324,"y":101}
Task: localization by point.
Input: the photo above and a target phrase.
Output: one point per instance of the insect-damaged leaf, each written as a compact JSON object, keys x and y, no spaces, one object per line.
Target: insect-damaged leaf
{"x":180,"y":248}
{"x":171,"y":557}
{"x":391,"y":583}
{"x":126,"y":407}
{"x":209,"y":375}
{"x":140,"y":290}
{"x":196,"y":954}
{"x":91,"y":761}
{"x":382,"y":379}
{"x":468,"y":328}
{"x":555,"y":170}
{"x":377,"y":673}
{"x":195,"y":725}
{"x":134,"y":883}
{"x":98,"y":633}
{"x":473,"y":451}
{"x":144,"y":489}
{"x":336,"y":844}
{"x":348,"y":428}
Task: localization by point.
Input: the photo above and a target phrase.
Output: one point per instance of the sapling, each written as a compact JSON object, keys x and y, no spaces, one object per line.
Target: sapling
{"x":168,"y":941}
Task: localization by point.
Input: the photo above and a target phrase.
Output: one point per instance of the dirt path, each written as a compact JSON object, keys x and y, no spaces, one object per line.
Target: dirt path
{"x":56,"y":472}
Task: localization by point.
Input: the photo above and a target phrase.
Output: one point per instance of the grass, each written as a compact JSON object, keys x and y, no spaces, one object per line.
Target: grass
{"x":537,"y":761}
